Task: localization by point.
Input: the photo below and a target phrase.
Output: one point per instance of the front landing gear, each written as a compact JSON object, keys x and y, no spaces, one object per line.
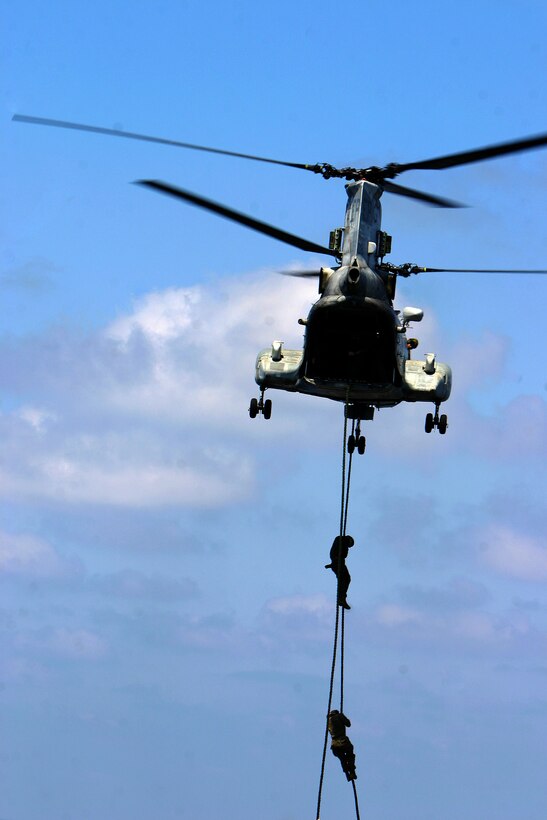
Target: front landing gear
{"x":440,"y":422}
{"x":357,"y":440}
{"x":260,"y":406}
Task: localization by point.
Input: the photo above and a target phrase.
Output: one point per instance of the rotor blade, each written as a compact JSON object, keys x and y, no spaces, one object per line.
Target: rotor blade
{"x":477,"y":270}
{"x":115,"y":132}
{"x":235,"y":216}
{"x":475,"y":155}
{"x":408,"y":269}
{"x":431,"y":199}
{"x":307,"y":274}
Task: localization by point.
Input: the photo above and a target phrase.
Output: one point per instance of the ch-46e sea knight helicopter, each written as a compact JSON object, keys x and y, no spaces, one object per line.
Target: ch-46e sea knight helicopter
{"x":356,"y":348}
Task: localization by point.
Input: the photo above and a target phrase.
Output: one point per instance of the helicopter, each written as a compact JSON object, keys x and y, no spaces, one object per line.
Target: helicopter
{"x":356,"y":346}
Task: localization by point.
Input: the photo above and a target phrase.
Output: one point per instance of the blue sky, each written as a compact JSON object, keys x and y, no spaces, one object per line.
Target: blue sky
{"x":166,"y":619}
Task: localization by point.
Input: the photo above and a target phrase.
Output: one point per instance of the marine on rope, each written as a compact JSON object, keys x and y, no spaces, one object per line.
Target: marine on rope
{"x":336,"y":721}
{"x":338,"y":555}
{"x":341,"y":746}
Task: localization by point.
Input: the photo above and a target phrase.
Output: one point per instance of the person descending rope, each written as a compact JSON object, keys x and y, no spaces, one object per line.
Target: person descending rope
{"x":341,"y":746}
{"x":337,"y":722}
{"x":338,"y":555}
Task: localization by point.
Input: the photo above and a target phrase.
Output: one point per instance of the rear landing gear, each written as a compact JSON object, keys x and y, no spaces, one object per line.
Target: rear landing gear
{"x":440,"y":422}
{"x":357,"y":440}
{"x":260,"y":406}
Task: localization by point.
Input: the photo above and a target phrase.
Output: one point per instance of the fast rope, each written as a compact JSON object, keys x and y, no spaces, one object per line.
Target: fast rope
{"x":339,"y":621}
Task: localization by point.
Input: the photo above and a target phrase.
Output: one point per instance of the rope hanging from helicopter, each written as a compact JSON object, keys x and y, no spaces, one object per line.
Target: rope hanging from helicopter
{"x":336,"y":719}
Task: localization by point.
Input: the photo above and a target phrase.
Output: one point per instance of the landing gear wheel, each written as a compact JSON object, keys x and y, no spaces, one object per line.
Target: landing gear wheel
{"x":267,"y":409}
{"x":351,"y":444}
{"x":361,"y":445}
{"x":429,"y":423}
{"x":253,"y":408}
{"x":443,"y":424}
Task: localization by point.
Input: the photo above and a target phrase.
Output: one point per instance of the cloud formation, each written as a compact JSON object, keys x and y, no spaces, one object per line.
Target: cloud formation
{"x":147,"y":411}
{"x":25,"y":555}
{"x":455,"y":630}
{"x":77,"y":644}
{"x":127,"y":470}
{"x":513,"y":553}
{"x":151,"y":410}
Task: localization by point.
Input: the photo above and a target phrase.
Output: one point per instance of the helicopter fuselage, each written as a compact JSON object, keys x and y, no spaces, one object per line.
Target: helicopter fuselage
{"x":355,"y":345}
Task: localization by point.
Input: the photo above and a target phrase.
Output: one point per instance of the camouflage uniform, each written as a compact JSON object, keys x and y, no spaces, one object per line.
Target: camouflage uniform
{"x":341,"y":746}
{"x":338,"y":555}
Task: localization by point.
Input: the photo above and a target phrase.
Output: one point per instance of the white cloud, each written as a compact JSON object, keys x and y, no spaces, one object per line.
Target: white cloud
{"x":76,"y":644}
{"x":317,"y":605}
{"x":96,"y":474}
{"x":34,"y":645}
{"x":28,"y":556}
{"x":458,"y":594}
{"x":394,"y":615}
{"x":478,"y":627}
{"x":161,"y":315}
{"x":452,"y":618}
{"x":35,"y":417}
{"x":20,"y":669}
{"x":454,"y":630}
{"x":297,"y":623}
{"x":202,"y":345}
{"x":514,"y":554}
{"x":152,"y":409}
{"x":184,"y":356}
{"x":133,"y":585}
